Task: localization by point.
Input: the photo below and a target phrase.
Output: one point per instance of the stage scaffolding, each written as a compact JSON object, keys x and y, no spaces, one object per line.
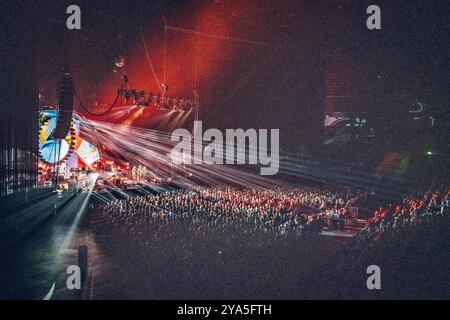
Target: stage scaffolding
{"x":18,"y":103}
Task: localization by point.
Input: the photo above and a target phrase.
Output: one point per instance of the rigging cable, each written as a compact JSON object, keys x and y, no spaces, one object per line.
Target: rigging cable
{"x":165,"y":49}
{"x":194,"y":78}
{"x":96,"y":114}
{"x":194,"y":67}
{"x":150,"y":62}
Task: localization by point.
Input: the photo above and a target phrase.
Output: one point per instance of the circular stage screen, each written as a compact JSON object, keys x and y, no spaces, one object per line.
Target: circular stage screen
{"x":73,"y":148}
{"x":51,"y":152}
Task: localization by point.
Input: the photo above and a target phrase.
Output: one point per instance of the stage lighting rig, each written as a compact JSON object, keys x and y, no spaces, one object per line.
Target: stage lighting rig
{"x":160,"y":101}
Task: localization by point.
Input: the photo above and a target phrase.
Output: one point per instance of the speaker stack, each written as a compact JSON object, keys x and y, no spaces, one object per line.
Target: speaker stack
{"x":65,"y":104}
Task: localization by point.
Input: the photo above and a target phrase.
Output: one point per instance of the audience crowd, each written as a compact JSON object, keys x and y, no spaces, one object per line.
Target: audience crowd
{"x":415,"y":208}
{"x":281,"y":210}
{"x":224,"y":242}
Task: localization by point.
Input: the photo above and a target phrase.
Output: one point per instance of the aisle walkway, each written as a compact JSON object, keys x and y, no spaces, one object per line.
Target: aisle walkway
{"x":33,"y":238}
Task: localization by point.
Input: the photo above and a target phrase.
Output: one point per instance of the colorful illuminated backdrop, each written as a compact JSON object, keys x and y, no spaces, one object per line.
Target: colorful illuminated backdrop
{"x":73,"y":151}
